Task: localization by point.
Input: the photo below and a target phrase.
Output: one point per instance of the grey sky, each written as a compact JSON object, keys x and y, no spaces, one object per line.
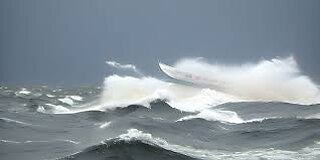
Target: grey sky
{"x":66,"y":42}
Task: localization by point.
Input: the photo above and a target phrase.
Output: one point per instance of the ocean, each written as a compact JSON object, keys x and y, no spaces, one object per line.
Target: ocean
{"x":268,"y":110}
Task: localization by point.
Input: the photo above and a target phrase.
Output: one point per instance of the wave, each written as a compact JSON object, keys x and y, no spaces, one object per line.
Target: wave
{"x":278,"y":79}
{"x":133,"y":145}
{"x":123,"y":150}
{"x":266,"y":81}
{"x":123,"y":91}
{"x":232,"y":117}
{"x":136,"y":144}
{"x":215,"y":115}
{"x":69,"y":99}
{"x":53,"y":109}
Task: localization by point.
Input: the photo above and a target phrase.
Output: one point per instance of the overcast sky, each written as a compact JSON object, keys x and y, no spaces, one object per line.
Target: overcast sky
{"x":66,"y":42}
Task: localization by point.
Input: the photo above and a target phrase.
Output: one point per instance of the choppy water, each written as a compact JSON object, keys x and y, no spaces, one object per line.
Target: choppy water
{"x":243,"y":130}
{"x":148,"y":118}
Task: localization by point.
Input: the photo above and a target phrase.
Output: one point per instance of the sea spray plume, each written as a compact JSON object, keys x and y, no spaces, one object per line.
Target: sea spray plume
{"x":268,"y":80}
{"x":121,"y":91}
{"x":124,"y":66}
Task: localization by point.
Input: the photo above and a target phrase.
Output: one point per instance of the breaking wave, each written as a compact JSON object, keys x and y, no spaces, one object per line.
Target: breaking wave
{"x":136,"y":144}
{"x":268,"y":80}
{"x":277,"y":80}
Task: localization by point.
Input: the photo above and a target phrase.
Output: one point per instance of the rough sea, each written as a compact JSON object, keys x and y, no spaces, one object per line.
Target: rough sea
{"x":268,"y":110}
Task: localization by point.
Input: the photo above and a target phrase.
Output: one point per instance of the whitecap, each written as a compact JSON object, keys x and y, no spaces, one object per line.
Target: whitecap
{"x":75,"y":97}
{"x":23,"y":91}
{"x":66,"y":100}
{"x":215,"y":115}
{"x":50,"y":95}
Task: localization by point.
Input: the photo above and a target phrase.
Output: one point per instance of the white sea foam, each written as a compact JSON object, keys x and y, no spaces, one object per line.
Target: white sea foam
{"x":23,"y":91}
{"x":224,"y":116}
{"x":41,"y":109}
{"x":268,"y":80}
{"x":232,"y":117}
{"x":312,"y":116}
{"x":311,"y":152}
{"x":66,"y":100}
{"x":8,"y":141}
{"x":58,"y":108}
{"x":122,"y":91}
{"x":50,"y":95}
{"x":146,"y":137}
{"x":216,"y":115}
{"x":15,"y":121}
{"x":104,"y":125}
{"x":69,"y":99}
{"x":54,"y":109}
{"x":75,"y":97}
